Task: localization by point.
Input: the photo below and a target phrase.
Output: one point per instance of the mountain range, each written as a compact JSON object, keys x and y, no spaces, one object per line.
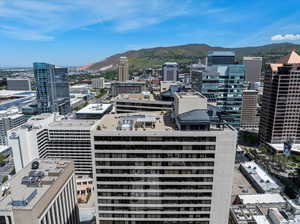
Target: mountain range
{"x":187,"y":54}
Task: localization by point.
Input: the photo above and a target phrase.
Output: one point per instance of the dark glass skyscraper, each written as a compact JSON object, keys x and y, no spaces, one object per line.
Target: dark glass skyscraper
{"x":223,"y":84}
{"x":52,"y":88}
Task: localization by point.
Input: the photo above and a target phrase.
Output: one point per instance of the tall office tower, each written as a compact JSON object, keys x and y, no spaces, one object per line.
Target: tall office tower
{"x":170,"y":71}
{"x":249,"y":118}
{"x":9,"y":119}
{"x":98,"y":83}
{"x":253,"y":67}
{"x":223,"y":85}
{"x":52,"y":88}
{"x":280,"y":114}
{"x":159,"y":168}
{"x":18,"y":84}
{"x":123,"y":69}
{"x":44,"y":192}
{"x":220,"y":58}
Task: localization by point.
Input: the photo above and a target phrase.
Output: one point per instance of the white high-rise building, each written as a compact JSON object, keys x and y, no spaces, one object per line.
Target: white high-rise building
{"x":156,"y":168}
{"x":43,"y":192}
{"x":98,"y":83}
{"x":49,"y":136}
{"x":27,"y":139}
{"x":9,"y":119}
{"x":170,"y":71}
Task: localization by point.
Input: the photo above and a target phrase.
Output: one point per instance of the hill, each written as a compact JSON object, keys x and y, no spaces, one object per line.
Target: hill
{"x":187,"y":54}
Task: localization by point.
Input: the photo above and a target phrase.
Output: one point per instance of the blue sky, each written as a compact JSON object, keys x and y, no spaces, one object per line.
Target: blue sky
{"x":78,"y":32}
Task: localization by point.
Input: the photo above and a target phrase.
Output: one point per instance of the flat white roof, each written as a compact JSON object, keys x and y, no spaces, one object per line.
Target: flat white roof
{"x":279,"y":147}
{"x":260,"y":176}
{"x":261,"y":198}
{"x":95,"y":109}
{"x":261,"y":219}
{"x":3,"y":148}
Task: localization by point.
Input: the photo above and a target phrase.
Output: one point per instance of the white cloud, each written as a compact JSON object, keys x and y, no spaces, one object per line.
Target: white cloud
{"x":280,"y":37}
{"x":40,"y":20}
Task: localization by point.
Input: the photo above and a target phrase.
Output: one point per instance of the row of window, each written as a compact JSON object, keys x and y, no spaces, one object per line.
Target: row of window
{"x":180,"y":216}
{"x":158,"y":202}
{"x":154,"y":194}
{"x":156,"y":179}
{"x":155,"y":155}
{"x":148,"y":171}
{"x":155,"y":147}
{"x":155,"y":187}
{"x":162,"y":139}
{"x":152,"y":163}
{"x":125,"y":208}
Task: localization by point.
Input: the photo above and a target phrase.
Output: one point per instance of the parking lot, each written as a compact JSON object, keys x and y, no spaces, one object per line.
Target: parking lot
{"x":241,"y":184}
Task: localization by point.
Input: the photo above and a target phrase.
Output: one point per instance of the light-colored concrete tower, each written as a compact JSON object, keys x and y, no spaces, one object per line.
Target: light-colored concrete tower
{"x":151,"y":167}
{"x":123,"y":69}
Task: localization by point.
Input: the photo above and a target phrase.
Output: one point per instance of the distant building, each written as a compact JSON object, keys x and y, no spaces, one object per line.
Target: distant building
{"x":196,"y":76}
{"x":123,"y":69}
{"x":41,"y":196}
{"x":127,"y":87}
{"x":162,"y":168}
{"x":94,"y":111}
{"x":220,"y":58}
{"x":249,"y":115}
{"x":18,"y":84}
{"x":170,"y":71}
{"x":253,"y":67}
{"x":98,"y":83}
{"x":9,"y":119}
{"x":127,"y":103}
{"x":223,"y":85}
{"x":52,"y":88}
{"x":279,"y":120}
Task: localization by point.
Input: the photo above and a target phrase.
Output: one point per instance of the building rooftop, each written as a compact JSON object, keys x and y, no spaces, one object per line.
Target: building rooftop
{"x":190,"y":94}
{"x":291,"y":58}
{"x":94,"y":109}
{"x":65,"y":124}
{"x":28,"y":186}
{"x":142,"y":121}
{"x":245,"y":215}
{"x":145,"y":96}
{"x":221,"y":53}
{"x":261,"y":199}
{"x":279,"y":147}
{"x":260,"y":177}
{"x":253,"y":58}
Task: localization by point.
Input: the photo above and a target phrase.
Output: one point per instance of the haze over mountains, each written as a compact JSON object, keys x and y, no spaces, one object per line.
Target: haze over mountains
{"x":187,"y":54}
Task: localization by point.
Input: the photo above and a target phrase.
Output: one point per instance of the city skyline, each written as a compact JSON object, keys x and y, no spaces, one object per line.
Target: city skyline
{"x":73,"y":34}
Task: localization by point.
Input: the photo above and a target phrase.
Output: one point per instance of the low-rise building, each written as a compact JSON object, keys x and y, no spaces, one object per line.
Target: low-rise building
{"x":18,"y":84}
{"x":94,"y":111}
{"x":264,"y":209}
{"x":127,"y":103}
{"x":260,"y":180}
{"x":127,"y":87}
{"x":45,"y":195}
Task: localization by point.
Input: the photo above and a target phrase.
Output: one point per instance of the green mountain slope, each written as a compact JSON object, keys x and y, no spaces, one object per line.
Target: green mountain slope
{"x":187,"y":54}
